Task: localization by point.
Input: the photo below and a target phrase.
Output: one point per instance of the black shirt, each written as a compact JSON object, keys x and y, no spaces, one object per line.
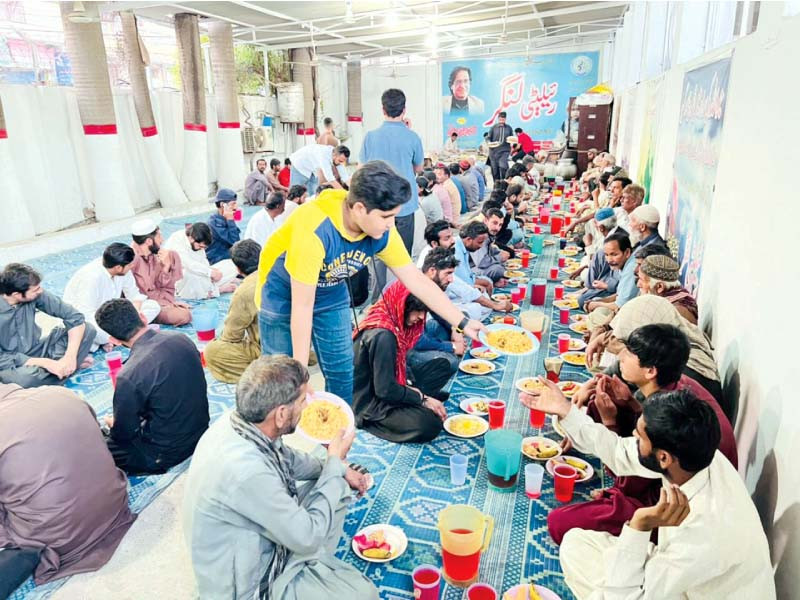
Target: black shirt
{"x":160,"y":400}
{"x":375,"y":387}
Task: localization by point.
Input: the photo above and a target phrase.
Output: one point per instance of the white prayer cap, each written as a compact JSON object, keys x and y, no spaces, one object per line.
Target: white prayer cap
{"x":143,"y":227}
{"x":646,"y":213}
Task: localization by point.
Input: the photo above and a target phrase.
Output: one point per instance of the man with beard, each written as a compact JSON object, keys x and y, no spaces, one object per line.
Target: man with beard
{"x":272,"y":176}
{"x":499,"y":147}
{"x":632,"y":196}
{"x":200,"y":279}
{"x":224,"y":230}
{"x":652,"y":360}
{"x":261,"y":519}
{"x":618,"y":255}
{"x":710,"y":541}
{"x":257,"y":186}
{"x":157,"y":271}
{"x":643,"y":227}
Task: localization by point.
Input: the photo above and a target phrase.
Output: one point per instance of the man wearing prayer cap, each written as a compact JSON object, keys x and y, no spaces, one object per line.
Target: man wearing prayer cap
{"x":224,"y":230}
{"x":644,"y":227}
{"x":601,"y":279}
{"x":156,"y":271}
{"x":660,"y":275}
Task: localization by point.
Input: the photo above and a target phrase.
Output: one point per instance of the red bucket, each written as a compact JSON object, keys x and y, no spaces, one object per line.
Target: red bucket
{"x":206,"y":336}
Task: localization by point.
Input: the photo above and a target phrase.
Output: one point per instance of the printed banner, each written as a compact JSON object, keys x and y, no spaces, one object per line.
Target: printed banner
{"x":653,"y":103}
{"x":534,"y":91}
{"x":705,"y":92}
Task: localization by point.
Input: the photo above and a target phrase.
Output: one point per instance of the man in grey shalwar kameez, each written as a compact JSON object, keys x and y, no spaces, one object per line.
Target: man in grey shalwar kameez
{"x":263,"y":520}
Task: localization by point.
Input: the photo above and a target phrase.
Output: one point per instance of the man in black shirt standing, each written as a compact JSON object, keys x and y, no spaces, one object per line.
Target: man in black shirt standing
{"x":499,"y":148}
{"x":160,"y":401}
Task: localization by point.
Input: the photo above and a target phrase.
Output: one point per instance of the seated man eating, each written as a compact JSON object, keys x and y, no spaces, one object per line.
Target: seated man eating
{"x":263,"y":520}
{"x":710,"y":540}
{"x":160,"y":402}
{"x":383,"y":401}
{"x":239,"y":344}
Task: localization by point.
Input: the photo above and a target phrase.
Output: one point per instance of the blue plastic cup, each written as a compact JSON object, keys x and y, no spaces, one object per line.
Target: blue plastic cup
{"x":458,"y":469}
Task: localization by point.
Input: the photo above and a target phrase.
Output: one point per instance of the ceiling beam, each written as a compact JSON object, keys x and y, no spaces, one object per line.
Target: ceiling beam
{"x":191,"y":10}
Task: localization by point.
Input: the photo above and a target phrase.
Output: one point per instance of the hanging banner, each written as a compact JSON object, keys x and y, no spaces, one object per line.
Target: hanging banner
{"x":705,"y":92}
{"x":534,"y":91}
{"x":654,"y":101}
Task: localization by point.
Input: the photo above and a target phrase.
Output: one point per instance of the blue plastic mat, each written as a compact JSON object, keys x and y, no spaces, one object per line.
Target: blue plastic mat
{"x":412,"y":481}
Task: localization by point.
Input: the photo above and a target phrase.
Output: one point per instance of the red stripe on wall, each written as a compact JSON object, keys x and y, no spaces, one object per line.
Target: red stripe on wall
{"x":228,"y":125}
{"x":354,"y":119}
{"x":149,"y":131}
{"x":194,"y":127}
{"x":110,"y":129}
{"x":3,"y":134}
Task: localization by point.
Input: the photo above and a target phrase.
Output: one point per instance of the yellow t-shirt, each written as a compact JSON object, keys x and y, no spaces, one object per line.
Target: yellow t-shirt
{"x":313,"y":247}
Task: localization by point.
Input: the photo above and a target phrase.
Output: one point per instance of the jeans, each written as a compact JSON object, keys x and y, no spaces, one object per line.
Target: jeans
{"x":331,"y":334}
{"x":416,"y":359}
{"x":297,"y":178}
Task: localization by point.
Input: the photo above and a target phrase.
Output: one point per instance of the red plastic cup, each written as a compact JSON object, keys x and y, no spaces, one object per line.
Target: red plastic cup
{"x":481,"y":591}
{"x":114,"y":360}
{"x":515,"y":296}
{"x":563,"y":343}
{"x":562,"y":262}
{"x":476,"y":343}
{"x":537,"y":229}
{"x":554,"y":273}
{"x":426,"y":579}
{"x":568,"y":219}
{"x":237,"y":214}
{"x":564,"y":478}
{"x":556,"y":223}
{"x":556,"y":205}
{"x":522,"y":289}
{"x":525,"y":260}
{"x":535,"y":219}
{"x":544,"y":219}
{"x":538,"y":335}
{"x":563,"y":316}
{"x":559,"y":292}
{"x":538,"y":292}
{"x":497,"y":414}
{"x":206,"y":336}
{"x":537,"y":418}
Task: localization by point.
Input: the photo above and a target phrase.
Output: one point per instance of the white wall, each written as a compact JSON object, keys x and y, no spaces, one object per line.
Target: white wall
{"x":750,"y":273}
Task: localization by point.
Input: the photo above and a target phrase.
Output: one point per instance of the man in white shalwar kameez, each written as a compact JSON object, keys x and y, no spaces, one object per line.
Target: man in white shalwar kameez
{"x":200,"y":279}
{"x":263,"y":520}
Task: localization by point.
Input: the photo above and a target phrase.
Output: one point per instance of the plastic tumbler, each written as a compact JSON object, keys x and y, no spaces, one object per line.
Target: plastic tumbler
{"x":537,"y":418}
{"x":562,"y":262}
{"x":562,"y":243}
{"x":237,"y":214}
{"x":114,"y":361}
{"x":537,"y":229}
{"x":497,"y":414}
{"x":481,"y":591}
{"x":458,"y":469}
{"x":522,"y":289}
{"x":563,"y":343}
{"x":563,"y":316}
{"x":476,"y":343}
{"x":427,"y":580}
{"x":567,"y":219}
{"x":553,"y":273}
{"x":533,"y":480}
{"x":526,"y":260}
{"x":564,"y":479}
{"x":555,"y":224}
{"x":559,"y":292}
{"x":538,"y":292}
{"x":515,"y":296}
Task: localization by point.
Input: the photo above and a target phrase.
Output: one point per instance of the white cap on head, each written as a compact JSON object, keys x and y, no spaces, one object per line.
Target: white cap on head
{"x":646,"y":213}
{"x":143,"y":227}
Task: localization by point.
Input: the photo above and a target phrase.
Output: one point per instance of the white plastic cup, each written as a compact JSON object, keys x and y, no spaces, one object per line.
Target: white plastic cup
{"x":533,"y":480}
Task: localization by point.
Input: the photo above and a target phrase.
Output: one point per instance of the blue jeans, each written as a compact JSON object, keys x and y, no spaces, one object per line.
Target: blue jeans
{"x":297,"y":178}
{"x":332,"y":336}
{"x":416,"y":358}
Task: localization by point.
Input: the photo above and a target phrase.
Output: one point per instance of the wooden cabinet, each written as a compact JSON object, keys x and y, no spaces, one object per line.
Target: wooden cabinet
{"x":595,"y":125}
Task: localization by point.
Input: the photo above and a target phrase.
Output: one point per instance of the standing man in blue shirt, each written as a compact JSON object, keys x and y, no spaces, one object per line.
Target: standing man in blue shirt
{"x":224,"y":230}
{"x":394,"y":143}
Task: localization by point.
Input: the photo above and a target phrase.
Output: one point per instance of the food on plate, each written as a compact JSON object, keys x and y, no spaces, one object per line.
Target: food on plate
{"x":484,"y":353}
{"x":514,"y":274}
{"x":478,"y":406}
{"x":475,"y":367}
{"x":571,"y":303}
{"x":575,"y":344}
{"x":374,"y":545}
{"x":467,"y":427}
{"x":572,"y":283}
{"x":549,"y":242}
{"x":323,"y":420}
{"x":568,"y":388}
{"x":510,"y":341}
{"x":540,"y":449}
{"x":530,"y":384}
{"x":579,"y":327}
{"x":575,"y":358}
{"x":578,"y":317}
{"x":568,"y":252}
{"x":501,"y":297}
{"x":518,"y":280}
{"x":576,"y":464}
{"x":513,"y":263}
{"x":502,"y":319}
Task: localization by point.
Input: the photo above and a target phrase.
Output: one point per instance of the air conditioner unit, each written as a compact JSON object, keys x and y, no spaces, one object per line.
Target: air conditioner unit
{"x":248,"y":140}
{"x":263,"y":139}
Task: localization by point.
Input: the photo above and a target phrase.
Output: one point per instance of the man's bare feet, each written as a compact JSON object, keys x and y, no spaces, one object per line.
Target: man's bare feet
{"x":87,"y":362}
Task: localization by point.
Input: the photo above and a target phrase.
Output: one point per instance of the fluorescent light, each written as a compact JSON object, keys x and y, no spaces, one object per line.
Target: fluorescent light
{"x":349,"y":17}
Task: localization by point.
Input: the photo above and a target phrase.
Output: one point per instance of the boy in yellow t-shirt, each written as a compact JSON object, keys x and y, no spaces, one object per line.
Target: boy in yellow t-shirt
{"x":304,"y":267}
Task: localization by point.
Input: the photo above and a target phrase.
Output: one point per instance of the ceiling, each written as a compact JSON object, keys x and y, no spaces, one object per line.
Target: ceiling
{"x":443,"y":29}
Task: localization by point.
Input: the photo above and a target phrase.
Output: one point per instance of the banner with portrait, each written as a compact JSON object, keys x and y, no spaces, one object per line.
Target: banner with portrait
{"x":534,"y":91}
{"x":705,"y":91}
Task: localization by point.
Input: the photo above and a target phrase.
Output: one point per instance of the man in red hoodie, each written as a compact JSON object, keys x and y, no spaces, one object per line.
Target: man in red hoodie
{"x":652,"y":360}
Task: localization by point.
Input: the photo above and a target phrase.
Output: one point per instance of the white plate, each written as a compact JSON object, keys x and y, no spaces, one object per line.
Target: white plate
{"x":502,"y":326}
{"x":476,"y":353}
{"x":518,"y":280}
{"x":501,"y":297}
{"x":334,"y":400}
{"x":471,"y":361}
{"x":466,"y":406}
{"x":544,"y":593}
{"x":551,"y":464}
{"x":571,"y":353}
{"x":521,"y":382}
{"x":576,"y":345}
{"x":484,"y":425}
{"x":394,"y":537}
{"x":563,"y":384}
{"x":579,"y":327}
{"x":542,"y":440}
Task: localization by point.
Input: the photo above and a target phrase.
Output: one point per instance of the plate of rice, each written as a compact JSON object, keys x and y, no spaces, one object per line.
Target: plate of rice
{"x":509,"y":339}
{"x":324,"y":416}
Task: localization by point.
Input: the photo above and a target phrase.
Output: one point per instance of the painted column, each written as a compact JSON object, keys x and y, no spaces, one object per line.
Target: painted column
{"x":302,"y":72}
{"x":355,"y":125}
{"x":84,"y":41}
{"x":168,"y":188}
{"x":17,"y":222}
{"x":230,"y":163}
{"x":194,"y":172}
